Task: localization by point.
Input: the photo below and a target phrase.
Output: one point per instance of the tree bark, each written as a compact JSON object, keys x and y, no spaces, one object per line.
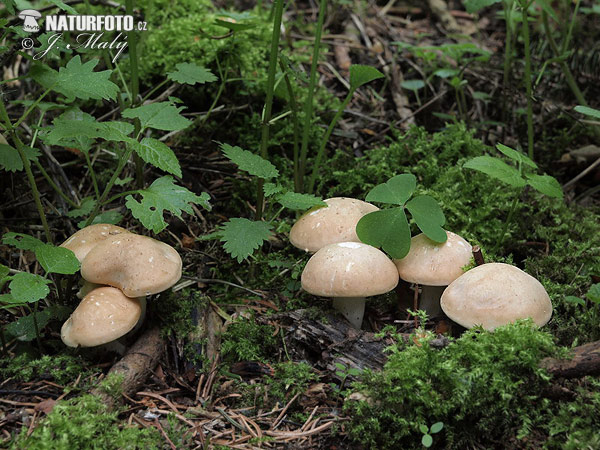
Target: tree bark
{"x":585,"y":361}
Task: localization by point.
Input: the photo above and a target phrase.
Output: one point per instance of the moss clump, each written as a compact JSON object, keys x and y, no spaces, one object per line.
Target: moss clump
{"x":85,"y":423}
{"x":177,"y":311}
{"x":63,"y":369}
{"x":246,"y":340}
{"x":483,"y":387}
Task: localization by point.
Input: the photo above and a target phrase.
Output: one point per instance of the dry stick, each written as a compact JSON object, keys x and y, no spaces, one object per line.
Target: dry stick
{"x":283,"y":411}
{"x":582,"y":174}
{"x":478,"y":256}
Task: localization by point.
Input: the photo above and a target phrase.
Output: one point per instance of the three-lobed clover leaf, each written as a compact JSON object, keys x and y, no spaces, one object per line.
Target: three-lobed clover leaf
{"x":387,"y":229}
{"x":242,"y":236}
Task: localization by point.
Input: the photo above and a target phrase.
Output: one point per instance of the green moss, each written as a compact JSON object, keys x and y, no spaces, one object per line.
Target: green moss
{"x":63,"y":369}
{"x":85,"y":423}
{"x":176,"y":310}
{"x":247,"y":340}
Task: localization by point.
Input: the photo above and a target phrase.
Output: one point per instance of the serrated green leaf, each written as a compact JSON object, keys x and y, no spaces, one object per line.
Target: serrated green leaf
{"x":21,"y":241}
{"x":575,"y":300}
{"x":112,"y":217}
{"x":436,"y":427}
{"x":545,"y":184}
{"x":396,"y":191}
{"x":4,"y":271}
{"x":593,"y":293}
{"x":249,"y":162}
{"x":23,"y":329}
{"x":115,"y":131}
{"x":10,"y":159}
{"x":160,"y":116}
{"x":78,"y":80}
{"x":242,"y":236}
{"x":516,"y":156}
{"x":10,"y":6}
{"x":123,"y":181}
{"x":86,"y":207}
{"x":56,"y":259}
{"x":429,"y":217}
{"x":427,"y":440}
{"x":271,"y":189}
{"x":158,"y":154}
{"x":164,"y":195}
{"x":472,"y":6}
{"x":297,"y":201}
{"x":190,"y":73}
{"x":591,"y":112}
{"x":386,"y":229}
{"x":413,"y":85}
{"x":360,"y":75}
{"x":496,"y":168}
{"x":27,"y":287}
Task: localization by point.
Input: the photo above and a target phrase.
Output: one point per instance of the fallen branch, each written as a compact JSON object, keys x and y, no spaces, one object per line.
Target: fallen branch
{"x":585,"y":361}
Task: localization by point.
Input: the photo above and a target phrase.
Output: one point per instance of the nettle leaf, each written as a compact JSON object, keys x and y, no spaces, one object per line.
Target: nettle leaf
{"x":164,"y":195}
{"x":242,"y":236}
{"x":249,"y":162}
{"x":190,"y":73}
{"x":546,"y":185}
{"x":23,"y":329}
{"x":386,"y":229}
{"x":112,"y":217}
{"x":496,"y":168}
{"x":78,"y":80}
{"x":360,"y":75}
{"x":472,"y":6}
{"x":56,"y":259}
{"x":515,"y":155}
{"x":158,"y":154}
{"x":271,"y":189}
{"x":27,"y":287}
{"x":591,"y":112}
{"x":594,"y":293}
{"x":21,"y":241}
{"x":86,"y":207}
{"x":115,"y":131}
{"x":160,"y":116}
{"x":295,"y":200}
{"x":396,"y":191}
{"x":429,"y":217}
{"x":10,"y":159}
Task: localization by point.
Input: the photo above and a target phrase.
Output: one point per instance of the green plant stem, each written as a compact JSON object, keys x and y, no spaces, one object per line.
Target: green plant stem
{"x":119,"y":195}
{"x":92,"y":174}
{"x":37,"y":328}
{"x":54,"y":186}
{"x":223,"y":76}
{"x":31,"y":107}
{"x":506,"y":223}
{"x":294,"y":110}
{"x":567,"y":40}
{"x":154,"y":89}
{"x":264,"y":142}
{"x":525,"y":28}
{"x":308,"y":104}
{"x":508,"y":8}
{"x":321,"y":152}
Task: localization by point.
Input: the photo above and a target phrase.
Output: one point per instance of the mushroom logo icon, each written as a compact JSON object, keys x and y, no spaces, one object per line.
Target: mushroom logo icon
{"x":30,"y":17}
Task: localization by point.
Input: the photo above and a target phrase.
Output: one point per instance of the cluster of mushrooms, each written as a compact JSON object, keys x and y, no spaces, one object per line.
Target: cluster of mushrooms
{"x":342,"y":267}
{"x":119,"y":269}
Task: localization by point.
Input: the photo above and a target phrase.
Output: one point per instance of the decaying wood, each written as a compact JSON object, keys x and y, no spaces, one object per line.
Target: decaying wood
{"x":137,"y":364}
{"x":585,"y":361}
{"x":478,"y":256}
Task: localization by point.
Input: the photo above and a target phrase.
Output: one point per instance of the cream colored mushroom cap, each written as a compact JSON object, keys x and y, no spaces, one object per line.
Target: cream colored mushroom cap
{"x":85,"y":239}
{"x":495,"y":294}
{"x":349,"y":269}
{"x":433,"y":264}
{"x":336,"y":222}
{"x":136,"y":264}
{"x":105,"y":314}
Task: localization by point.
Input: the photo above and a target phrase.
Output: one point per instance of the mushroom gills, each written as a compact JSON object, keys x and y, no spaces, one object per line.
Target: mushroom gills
{"x":352,"y":308}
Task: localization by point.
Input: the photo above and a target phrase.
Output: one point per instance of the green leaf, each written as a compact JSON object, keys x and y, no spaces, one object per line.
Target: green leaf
{"x":21,"y":241}
{"x":242,"y":236}
{"x":77,"y":80}
{"x":160,"y":116}
{"x":396,"y":191}
{"x":413,"y":85}
{"x":295,"y":200}
{"x":595,"y":113}
{"x":472,"y":6}
{"x":496,"y":168}
{"x":27,"y":287}
{"x":574,"y":300}
{"x":112,"y":217}
{"x":515,"y":155}
{"x":594,"y":293}
{"x":386,"y":229}
{"x":190,"y":73}
{"x":4,"y":271}
{"x":546,"y":184}
{"x":63,"y":6}
{"x":249,"y":162}
{"x":163,"y":195}
{"x":436,"y":427}
{"x":115,"y":131}
{"x":429,"y":217}
{"x":446,"y":73}
{"x":271,"y":189}
{"x":360,"y":75}
{"x":424,"y":429}
{"x":10,"y":159}
{"x":86,"y":207}
{"x":427,"y":440}
{"x":23,"y":329}
{"x":158,"y":154}
{"x":339,"y":366}
{"x":56,"y":259}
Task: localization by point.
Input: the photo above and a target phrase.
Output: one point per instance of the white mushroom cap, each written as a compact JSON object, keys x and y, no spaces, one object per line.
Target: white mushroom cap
{"x":349,"y":269}
{"x":30,"y":13}
{"x":432,"y":264}
{"x":138,"y":265}
{"x":85,"y":239}
{"x":333,"y":223}
{"x":495,"y":294}
{"x":104,"y":314}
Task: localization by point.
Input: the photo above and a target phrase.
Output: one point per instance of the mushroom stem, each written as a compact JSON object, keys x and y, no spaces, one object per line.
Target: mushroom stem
{"x":430,"y":300}
{"x":353,"y":309}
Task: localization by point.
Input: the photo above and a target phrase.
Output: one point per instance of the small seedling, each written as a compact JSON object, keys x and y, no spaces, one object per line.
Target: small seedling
{"x":344,"y":372}
{"x":427,"y":439}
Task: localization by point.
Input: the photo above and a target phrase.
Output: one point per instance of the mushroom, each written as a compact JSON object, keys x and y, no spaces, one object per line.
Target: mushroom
{"x":30,"y":17}
{"x":349,"y":272}
{"x":85,"y":239}
{"x":136,"y":264}
{"x":495,"y":294}
{"x":104,"y":315}
{"x":434,"y":266}
{"x":333,"y":223}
